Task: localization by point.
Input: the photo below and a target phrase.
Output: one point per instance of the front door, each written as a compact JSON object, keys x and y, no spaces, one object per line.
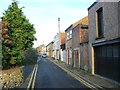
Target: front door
{"x":76,"y":58}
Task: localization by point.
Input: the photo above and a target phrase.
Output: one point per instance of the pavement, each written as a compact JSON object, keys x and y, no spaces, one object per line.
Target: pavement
{"x":95,"y":80}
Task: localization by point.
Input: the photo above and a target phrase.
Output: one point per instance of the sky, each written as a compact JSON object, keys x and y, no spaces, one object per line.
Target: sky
{"x":44,"y":15}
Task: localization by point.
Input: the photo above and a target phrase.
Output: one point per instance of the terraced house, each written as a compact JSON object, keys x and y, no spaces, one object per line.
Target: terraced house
{"x":58,"y":41}
{"x":49,"y":48}
{"x":80,"y":43}
{"x":56,"y":47}
{"x":68,"y":43}
{"x":62,"y":46}
{"x":104,"y":39}
{"x":73,"y":38}
{"x":41,"y":49}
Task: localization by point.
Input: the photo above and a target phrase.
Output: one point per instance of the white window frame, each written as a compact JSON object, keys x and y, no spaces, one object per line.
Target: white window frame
{"x":67,"y":35}
{"x":70,"y":33}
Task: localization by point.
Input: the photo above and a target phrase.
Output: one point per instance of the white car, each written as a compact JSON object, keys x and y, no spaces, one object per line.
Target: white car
{"x":44,"y":55}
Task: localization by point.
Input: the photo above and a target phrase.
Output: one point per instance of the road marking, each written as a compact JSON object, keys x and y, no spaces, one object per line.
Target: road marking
{"x":34,"y":78}
{"x":76,"y":77}
{"x":28,"y":87}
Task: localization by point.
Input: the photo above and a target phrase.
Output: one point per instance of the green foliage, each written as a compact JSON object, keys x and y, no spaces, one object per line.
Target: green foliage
{"x":21,"y":33}
{"x":30,"y":57}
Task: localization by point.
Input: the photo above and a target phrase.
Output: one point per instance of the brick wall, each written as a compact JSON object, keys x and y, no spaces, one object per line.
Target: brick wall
{"x":62,"y":38}
{"x":76,"y":37}
{"x":84,"y":56}
{"x":83,"y":35}
{"x":68,"y":42}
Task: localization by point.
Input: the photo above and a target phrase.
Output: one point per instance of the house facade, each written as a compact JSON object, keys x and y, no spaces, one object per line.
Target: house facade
{"x":68,"y":43}
{"x":41,"y":49}
{"x":58,"y":41}
{"x":84,"y":47}
{"x":62,"y":46}
{"x":80,"y":43}
{"x":56,"y":47}
{"x":49,"y":48}
{"x":76,"y":46}
{"x":104,"y":39}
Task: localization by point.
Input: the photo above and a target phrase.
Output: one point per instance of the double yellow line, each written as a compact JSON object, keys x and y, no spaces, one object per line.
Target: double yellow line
{"x":79,"y":79}
{"x":31,"y":83}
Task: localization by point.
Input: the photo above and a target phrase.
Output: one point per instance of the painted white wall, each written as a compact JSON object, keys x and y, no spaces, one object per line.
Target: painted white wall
{"x":63,"y":56}
{"x":56,"y":45}
{"x":56,"y":42}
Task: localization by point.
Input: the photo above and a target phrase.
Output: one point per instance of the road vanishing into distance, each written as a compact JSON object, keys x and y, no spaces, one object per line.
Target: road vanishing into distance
{"x":50,"y":75}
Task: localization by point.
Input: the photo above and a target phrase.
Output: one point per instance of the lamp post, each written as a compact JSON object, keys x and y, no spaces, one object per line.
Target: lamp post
{"x":59,"y":36}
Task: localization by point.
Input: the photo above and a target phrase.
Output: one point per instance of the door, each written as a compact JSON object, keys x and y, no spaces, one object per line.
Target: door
{"x":107,"y":61}
{"x":68,"y":56}
{"x":70,"y":60}
{"x":76,"y":58}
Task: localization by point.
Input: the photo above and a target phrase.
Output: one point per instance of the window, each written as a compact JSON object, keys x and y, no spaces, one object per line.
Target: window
{"x":69,"y":34}
{"x":99,"y":23}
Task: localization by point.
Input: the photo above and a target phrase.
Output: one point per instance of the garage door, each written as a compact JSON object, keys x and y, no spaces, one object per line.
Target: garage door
{"x":107,"y":61}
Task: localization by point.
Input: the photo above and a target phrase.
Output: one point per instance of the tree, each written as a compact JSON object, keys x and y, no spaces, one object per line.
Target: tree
{"x":20,"y":31}
{"x":6,"y":44}
{"x":31,"y":57}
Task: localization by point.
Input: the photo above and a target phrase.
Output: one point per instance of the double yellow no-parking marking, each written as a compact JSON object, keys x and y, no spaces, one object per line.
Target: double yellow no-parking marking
{"x":93,"y":87}
{"x":31,"y":83}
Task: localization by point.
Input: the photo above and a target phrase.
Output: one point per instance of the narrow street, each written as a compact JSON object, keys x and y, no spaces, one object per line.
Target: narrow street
{"x":51,"y":76}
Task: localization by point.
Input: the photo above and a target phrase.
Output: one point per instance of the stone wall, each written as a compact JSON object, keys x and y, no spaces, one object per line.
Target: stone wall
{"x":11,"y":78}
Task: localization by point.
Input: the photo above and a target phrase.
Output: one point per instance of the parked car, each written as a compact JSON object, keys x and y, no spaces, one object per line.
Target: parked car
{"x":44,"y":55}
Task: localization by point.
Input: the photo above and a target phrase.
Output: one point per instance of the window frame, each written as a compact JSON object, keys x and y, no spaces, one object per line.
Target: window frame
{"x":100,"y":23}
{"x":69,"y":34}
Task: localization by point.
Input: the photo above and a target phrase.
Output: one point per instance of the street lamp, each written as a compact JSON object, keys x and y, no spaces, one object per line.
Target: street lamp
{"x":59,"y":36}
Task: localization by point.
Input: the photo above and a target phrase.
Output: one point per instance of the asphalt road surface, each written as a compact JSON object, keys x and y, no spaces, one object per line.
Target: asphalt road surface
{"x":51,"y":76}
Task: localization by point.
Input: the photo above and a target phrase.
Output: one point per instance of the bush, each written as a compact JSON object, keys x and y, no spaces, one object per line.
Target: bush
{"x":30,"y":57}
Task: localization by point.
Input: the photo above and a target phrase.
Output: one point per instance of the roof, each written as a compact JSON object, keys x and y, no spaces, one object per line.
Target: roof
{"x":83,"y":21}
{"x":50,"y":43}
{"x":68,"y":28}
{"x":91,"y":6}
